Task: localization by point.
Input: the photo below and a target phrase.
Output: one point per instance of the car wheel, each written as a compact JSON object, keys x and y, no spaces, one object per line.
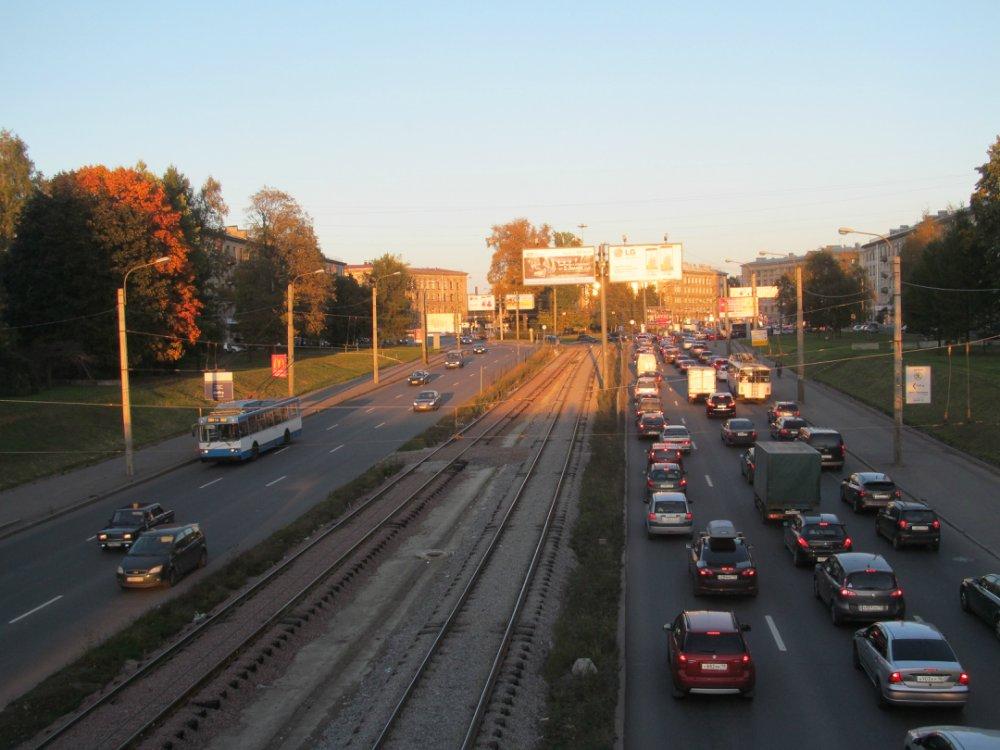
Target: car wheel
{"x":816,"y":589}
{"x":203,"y":559}
{"x":254,"y":452}
{"x":882,"y":702}
{"x":963,"y":600}
{"x":172,"y":578}
{"x":935,"y":546}
{"x":835,"y":617}
{"x":855,"y":659}
{"x":856,"y":506}
{"x":896,"y":543}
{"x":678,"y":693}
{"x":287,"y":437}
{"x":796,"y":558}
{"x":996,"y":627}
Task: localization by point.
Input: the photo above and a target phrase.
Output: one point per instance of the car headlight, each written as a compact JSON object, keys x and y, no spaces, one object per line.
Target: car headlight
{"x":121,"y":571}
{"x":155,"y":569}
{"x":102,"y":537}
{"x":126,"y":536}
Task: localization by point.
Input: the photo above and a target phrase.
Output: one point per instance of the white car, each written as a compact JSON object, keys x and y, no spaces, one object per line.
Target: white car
{"x":646,"y":387}
{"x":677,"y":436}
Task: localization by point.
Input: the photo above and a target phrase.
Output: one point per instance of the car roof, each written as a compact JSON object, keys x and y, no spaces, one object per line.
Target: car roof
{"x":873,"y":476}
{"x":901,"y":629}
{"x":821,"y":518}
{"x":733,"y":420}
{"x":137,"y":506}
{"x":664,"y":465}
{"x":786,"y":403}
{"x":701,"y":621}
{"x":820,"y":430}
{"x":852,"y":562}
{"x":912,"y":505}
{"x":677,"y":428}
{"x":669,"y":495}
{"x":791,"y":419}
{"x":721,"y":529}
{"x":159,"y":530}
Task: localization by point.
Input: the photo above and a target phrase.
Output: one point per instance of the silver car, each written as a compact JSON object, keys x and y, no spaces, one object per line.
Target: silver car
{"x":952,"y":738}
{"x":646,"y":387}
{"x":427,"y":401}
{"x":910,"y":664}
{"x":668,"y":513}
{"x":677,"y":436}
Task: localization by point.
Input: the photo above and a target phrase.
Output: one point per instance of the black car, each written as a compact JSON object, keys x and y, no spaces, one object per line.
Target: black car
{"x":909,"y":522}
{"x":739,"y":431}
{"x":650,"y":425}
{"x":586,"y":338}
{"x":782,"y":409}
{"x":719,"y":562}
{"x":665,"y":478}
{"x":648,"y":405}
{"x":420,"y":377}
{"x":828,"y":442}
{"x":127,"y":523}
{"x":786,"y":428}
{"x":982,"y":596}
{"x":859,"y":586}
{"x":868,"y":489}
{"x":163,"y":556}
{"x":812,"y":539}
{"x":479,"y":348}
{"x":747,"y":464}
{"x":720,"y":405}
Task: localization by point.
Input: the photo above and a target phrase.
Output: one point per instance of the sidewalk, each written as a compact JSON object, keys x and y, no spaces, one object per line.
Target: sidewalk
{"x":35,"y":502}
{"x":963,"y":490}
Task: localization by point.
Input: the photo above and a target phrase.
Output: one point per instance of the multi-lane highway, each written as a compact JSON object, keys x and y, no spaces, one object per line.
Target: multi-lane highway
{"x":58,"y":593}
{"x":808,"y":693}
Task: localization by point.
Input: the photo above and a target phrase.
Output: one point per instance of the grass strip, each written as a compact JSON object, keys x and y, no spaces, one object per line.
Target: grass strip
{"x":581,"y":710}
{"x":458,"y":417}
{"x":64,"y":691}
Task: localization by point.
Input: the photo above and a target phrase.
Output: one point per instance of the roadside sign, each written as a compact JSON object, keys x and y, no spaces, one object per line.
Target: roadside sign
{"x":219,"y":386}
{"x":758,"y":337}
{"x":279,"y":365}
{"x":918,"y":384}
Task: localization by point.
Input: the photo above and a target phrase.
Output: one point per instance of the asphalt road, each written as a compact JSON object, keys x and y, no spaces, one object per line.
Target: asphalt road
{"x":58,"y":593}
{"x":808,"y":693}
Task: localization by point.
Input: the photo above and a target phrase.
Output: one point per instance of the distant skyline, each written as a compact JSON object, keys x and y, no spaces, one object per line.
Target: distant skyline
{"x":413,"y":128}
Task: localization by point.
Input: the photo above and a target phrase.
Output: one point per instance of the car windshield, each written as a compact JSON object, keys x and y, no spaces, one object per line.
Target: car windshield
{"x":815,"y":531}
{"x":427,"y":395}
{"x":740,"y":424}
{"x":152,"y":544}
{"x":664,"y":455}
{"x":703,"y":643}
{"x":664,"y":475}
{"x":649,"y":421}
{"x":669,"y":506}
{"x":880,"y":486}
{"x":922,"y":649}
{"x":871,"y":580}
{"x":787,"y":407}
{"x":675,"y":432}
{"x":826,"y":441}
{"x":793,"y":424}
{"x":649,"y":404}
{"x":417,"y":375}
{"x":127,"y":518}
{"x":919,"y":516}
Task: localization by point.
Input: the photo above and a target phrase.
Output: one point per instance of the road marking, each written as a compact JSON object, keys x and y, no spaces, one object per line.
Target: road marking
{"x":709,"y":480}
{"x":380,"y":424}
{"x":455,"y":383}
{"x":918,"y":618}
{"x":92,"y":538}
{"x":370,"y":410}
{"x":281,"y":450}
{"x":333,"y":426}
{"x":276,"y":480}
{"x":337,"y":448}
{"x":775,"y":633}
{"x":32,"y":611}
{"x":683,"y":421}
{"x":209,"y":484}
{"x":676,"y":402}
{"x":398,"y":395}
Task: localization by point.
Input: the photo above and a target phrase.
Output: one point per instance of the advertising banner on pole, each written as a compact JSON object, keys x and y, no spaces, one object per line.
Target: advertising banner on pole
{"x":645,"y":263}
{"x":219,"y":386}
{"x":658,"y":316}
{"x":482,"y":303}
{"x":758,"y":337}
{"x":279,"y":365}
{"x":763,"y":292}
{"x":736,"y":307}
{"x":519,"y":301}
{"x":549,"y":266}
{"x":918,"y":385}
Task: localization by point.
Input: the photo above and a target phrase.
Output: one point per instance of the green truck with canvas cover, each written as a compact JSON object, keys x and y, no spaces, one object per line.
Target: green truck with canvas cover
{"x":786,"y":479}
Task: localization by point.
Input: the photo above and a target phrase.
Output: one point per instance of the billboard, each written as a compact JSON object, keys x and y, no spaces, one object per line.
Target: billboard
{"x":736,"y":307}
{"x":549,"y":266}
{"x":918,"y":384}
{"x":519,"y":301}
{"x":645,"y":263}
{"x":763,"y":292}
{"x":441,"y":322}
{"x":219,"y":386}
{"x":279,"y":365}
{"x":758,"y":337}
{"x":658,"y":315}
{"x":482,"y":303}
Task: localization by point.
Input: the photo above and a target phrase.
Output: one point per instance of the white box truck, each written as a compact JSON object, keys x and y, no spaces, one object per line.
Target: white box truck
{"x":701,"y":383}
{"x":645,"y":364}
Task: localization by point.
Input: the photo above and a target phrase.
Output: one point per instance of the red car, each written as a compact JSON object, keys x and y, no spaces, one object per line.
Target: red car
{"x":661,"y":453}
{"x":707,"y":653}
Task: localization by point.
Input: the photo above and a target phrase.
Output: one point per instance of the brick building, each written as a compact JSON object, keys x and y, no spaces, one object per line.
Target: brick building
{"x":695,"y":296}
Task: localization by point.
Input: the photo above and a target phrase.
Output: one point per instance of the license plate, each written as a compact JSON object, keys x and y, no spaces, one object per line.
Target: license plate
{"x":133,"y":579}
{"x":714,"y":666}
{"x":727,"y":578}
{"x":821,"y":558}
{"x":870,"y":608}
{"x":931,"y":678}
{"x":722,"y":408}
{"x":920,"y":528}
{"x":671,"y":519}
{"x":741,"y":434}
{"x":880,"y":496}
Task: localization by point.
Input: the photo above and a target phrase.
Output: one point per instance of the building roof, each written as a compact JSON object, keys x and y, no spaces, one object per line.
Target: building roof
{"x":365,"y":267}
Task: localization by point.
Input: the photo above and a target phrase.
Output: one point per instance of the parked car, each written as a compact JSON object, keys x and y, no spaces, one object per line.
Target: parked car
{"x":981,"y":596}
{"x":747,"y":464}
{"x":828,"y":442}
{"x":669,"y":514}
{"x":782,"y":409}
{"x":739,"y":431}
{"x":813,"y":538}
{"x":678,"y":436}
{"x":126,"y":524}
{"x":858,"y":586}
{"x":707,"y":652}
{"x":163,"y":556}
{"x":868,"y":489}
{"x":720,"y":405}
{"x":909,"y":522}
{"x":719,"y":562}
{"x":667,"y":477}
{"x":427,"y":401}
{"x":910,"y":664}
{"x":786,"y":428}
{"x":586,"y":338}
{"x":420,"y":377}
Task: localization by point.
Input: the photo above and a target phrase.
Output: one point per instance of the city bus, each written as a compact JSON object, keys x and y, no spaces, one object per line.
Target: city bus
{"x":242,"y":430}
{"x":749,"y":382}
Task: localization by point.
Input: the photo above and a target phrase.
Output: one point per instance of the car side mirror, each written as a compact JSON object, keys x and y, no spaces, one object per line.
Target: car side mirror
{"x":668,"y":628}
{"x":687,"y":546}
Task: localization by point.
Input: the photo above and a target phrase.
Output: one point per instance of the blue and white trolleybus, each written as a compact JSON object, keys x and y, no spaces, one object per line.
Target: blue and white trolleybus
{"x":242,"y":430}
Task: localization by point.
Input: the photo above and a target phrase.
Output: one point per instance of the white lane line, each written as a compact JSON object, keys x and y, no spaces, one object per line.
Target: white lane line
{"x":918,"y":618}
{"x":455,"y":383}
{"x":337,"y":448}
{"x":276,"y":480}
{"x":209,"y":484}
{"x":92,"y":538}
{"x":333,"y":426}
{"x":683,"y":421}
{"x":676,"y":402}
{"x":398,"y":395}
{"x":775,"y":633}
{"x":370,"y":410}
{"x":32,"y":611}
{"x":472,"y":374}
{"x":281,"y":450}
{"x":380,"y":424}
{"x":709,"y":480}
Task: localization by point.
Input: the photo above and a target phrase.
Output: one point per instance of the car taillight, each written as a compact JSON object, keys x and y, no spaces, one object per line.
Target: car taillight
{"x":963,"y":679}
{"x":649,"y":482}
{"x":847,"y":593}
{"x":682,"y":658}
{"x":843,"y":450}
{"x":903,"y":524}
{"x":783,"y":431}
{"x":861,"y":493}
{"x":749,"y":573}
{"x":746,"y":658}
{"x":651,"y":517}
{"x":848,"y":543}
{"x":895,"y":678}
{"x":935,"y":524}
{"x":753,"y":435}
{"x":704,"y":572}
{"x":897,"y":493}
{"x":684,"y":483}
{"x":897,"y":594}
{"x":803,"y":543}
{"x":688,"y":516}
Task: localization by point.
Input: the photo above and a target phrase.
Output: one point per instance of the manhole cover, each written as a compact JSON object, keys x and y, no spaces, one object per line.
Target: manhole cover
{"x":431,"y":554}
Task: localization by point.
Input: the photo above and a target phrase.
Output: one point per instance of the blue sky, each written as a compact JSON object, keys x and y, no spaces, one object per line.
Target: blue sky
{"x":413,"y":127}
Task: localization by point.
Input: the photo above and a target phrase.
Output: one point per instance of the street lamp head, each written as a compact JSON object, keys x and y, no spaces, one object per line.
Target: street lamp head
{"x":161,"y":259}
{"x":845,"y":230}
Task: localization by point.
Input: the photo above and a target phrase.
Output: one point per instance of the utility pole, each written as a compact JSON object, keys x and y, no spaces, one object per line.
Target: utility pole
{"x":503,"y":315}
{"x":555,"y":311}
{"x":374,"y":333}
{"x":423,"y":325}
{"x":897,"y":361}
{"x":602,"y":265}
{"x":517,"y":326}
{"x":800,"y":337}
{"x":290,"y":331}
{"x":729,"y":329}
{"x":643,"y":326}
{"x":123,"y":367}
{"x":753,"y":291}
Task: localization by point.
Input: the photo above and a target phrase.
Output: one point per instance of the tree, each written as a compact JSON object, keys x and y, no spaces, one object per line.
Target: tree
{"x":348,"y":311}
{"x":920,"y":312}
{"x":283,"y":246}
{"x":18,"y":180}
{"x":566,"y":239}
{"x":508,"y":240}
{"x":73,"y":247}
{"x":395,"y":311}
{"x":787,"y":300}
{"x":830,"y":295}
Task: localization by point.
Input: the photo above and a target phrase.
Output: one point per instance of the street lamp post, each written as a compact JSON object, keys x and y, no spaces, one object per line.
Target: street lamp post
{"x":375,"y":282}
{"x":603,"y":271}
{"x":123,"y":365}
{"x":897,"y":345}
{"x":290,"y":329}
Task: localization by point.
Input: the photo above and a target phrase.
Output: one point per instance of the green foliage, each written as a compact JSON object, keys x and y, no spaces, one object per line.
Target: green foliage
{"x":18,"y":181}
{"x":566,"y":239}
{"x":395,"y":311}
{"x":348,"y":312}
{"x":830,"y":295}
